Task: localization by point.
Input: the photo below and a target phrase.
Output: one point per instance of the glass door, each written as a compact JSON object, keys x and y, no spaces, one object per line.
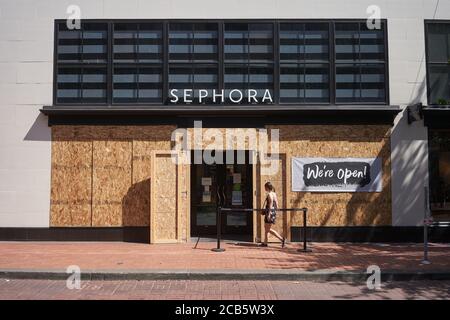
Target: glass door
{"x":205,"y":198}
{"x":238,"y":195}
{"x":221,"y":185}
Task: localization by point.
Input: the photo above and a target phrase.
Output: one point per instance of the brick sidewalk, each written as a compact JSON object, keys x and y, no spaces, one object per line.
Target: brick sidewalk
{"x":220,"y":290}
{"x":245,"y":256}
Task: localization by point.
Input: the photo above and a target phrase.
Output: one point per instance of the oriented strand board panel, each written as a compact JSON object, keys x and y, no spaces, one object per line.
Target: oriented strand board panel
{"x":116,"y":190}
{"x":165,"y":219}
{"x":71,"y":183}
{"x":145,"y":140}
{"x":258,"y":198}
{"x":223,"y":138}
{"x":90,"y":133}
{"x":340,"y":209}
{"x":186,"y":202}
{"x":137,"y":201}
{"x":73,"y":215}
{"x":101,"y":176}
{"x":278,"y":181}
{"x":184,"y":205}
{"x":111,"y":181}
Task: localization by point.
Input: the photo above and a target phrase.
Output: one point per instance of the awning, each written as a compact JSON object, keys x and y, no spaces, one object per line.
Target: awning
{"x":250,"y":115}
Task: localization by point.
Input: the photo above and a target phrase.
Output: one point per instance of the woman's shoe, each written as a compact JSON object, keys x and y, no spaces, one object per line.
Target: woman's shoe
{"x":263,"y":244}
{"x":283,"y":242}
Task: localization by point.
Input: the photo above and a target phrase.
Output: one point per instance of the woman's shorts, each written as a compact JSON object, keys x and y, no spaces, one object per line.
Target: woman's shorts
{"x":270,"y":217}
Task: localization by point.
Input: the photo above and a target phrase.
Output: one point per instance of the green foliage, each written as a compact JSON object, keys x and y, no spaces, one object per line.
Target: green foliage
{"x":443,"y":102}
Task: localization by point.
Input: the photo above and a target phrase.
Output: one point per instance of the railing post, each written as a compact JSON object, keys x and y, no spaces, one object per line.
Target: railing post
{"x":305,"y":248}
{"x":219,"y":227}
{"x":219,"y":231}
{"x":425,"y":228}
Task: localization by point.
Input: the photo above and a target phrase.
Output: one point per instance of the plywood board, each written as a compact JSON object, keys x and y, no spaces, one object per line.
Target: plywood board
{"x":111,"y":181}
{"x":256,"y":214}
{"x":165,"y":213}
{"x":71,"y":184}
{"x":76,"y":215}
{"x":109,"y":184}
{"x":278,"y":180}
{"x":340,"y":209}
{"x":120,"y":195}
{"x":137,"y":202}
{"x":187,"y":202}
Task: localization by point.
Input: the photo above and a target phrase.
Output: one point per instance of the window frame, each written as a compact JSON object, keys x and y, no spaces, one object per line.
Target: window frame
{"x":386,"y":64}
{"x":113,"y":63}
{"x":193,"y":63}
{"x":221,"y":62}
{"x":249,"y":64}
{"x":331,"y":81}
{"x":433,"y":183}
{"x":81,"y":65}
{"x":428,"y":63}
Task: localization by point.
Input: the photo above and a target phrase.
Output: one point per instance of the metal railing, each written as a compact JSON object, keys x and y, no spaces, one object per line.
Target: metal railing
{"x":221,"y":210}
{"x":429,"y":222}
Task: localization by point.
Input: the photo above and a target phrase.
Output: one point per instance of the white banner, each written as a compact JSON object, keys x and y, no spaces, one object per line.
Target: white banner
{"x":336,"y":174}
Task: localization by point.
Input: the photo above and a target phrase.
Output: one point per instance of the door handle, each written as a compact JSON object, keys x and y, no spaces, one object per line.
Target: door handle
{"x":224,"y":195}
{"x":219,"y":198}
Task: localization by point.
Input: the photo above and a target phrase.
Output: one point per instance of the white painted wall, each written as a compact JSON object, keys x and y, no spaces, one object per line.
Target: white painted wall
{"x":26,"y":56}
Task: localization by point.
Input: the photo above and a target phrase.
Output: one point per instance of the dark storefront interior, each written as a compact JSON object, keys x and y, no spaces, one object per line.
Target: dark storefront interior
{"x":439,"y":146}
{"x":222,"y":185}
{"x":437,"y":115}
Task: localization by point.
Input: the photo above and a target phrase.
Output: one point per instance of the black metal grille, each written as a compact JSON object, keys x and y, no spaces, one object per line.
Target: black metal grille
{"x":300,"y":62}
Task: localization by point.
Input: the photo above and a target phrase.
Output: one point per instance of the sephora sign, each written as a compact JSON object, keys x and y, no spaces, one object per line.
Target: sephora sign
{"x":336,"y":174}
{"x":219,"y":96}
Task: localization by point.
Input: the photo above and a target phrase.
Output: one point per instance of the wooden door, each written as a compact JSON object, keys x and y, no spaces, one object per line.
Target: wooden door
{"x":165,"y":198}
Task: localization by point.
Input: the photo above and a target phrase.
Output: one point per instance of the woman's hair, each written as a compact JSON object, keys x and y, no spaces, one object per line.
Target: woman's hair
{"x":268,"y":185}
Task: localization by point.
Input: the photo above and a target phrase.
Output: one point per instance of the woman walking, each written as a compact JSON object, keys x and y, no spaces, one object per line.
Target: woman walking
{"x":270,"y":214}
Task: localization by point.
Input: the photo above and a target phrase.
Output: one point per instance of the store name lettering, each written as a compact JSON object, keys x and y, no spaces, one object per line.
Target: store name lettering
{"x":219,"y":96}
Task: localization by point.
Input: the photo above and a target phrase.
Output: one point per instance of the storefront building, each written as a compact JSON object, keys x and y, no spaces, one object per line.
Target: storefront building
{"x":138,"y":123}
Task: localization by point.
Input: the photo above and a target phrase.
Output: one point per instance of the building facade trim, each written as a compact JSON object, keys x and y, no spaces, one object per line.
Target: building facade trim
{"x":436,"y":117}
{"x":316,"y":234}
{"x":260,"y":114}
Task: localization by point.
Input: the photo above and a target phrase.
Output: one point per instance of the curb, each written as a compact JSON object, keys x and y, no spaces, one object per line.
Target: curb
{"x":290,"y":275}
